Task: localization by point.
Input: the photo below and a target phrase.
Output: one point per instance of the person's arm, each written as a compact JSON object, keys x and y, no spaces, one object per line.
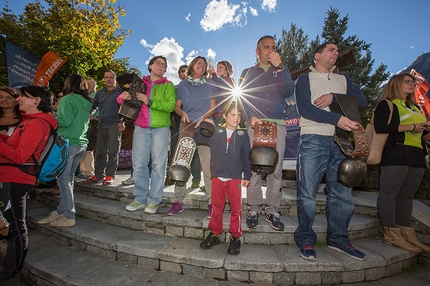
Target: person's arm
{"x":285,"y":83}
{"x":66,"y":112}
{"x":166,"y":103}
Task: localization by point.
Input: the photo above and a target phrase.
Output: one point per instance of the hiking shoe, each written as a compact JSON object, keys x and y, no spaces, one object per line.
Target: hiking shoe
{"x":51,"y":217}
{"x":308,"y":252}
{"x":275,"y":221}
{"x":128,"y":182}
{"x":349,"y":250}
{"x":134,"y":206}
{"x":62,"y":221}
{"x":93,"y":180}
{"x":210,"y":241}
{"x":234,"y":246}
{"x":195,"y":184}
{"x":252,"y":219}
{"x":151,"y":208}
{"x":209,"y":212}
{"x":176,"y":208}
{"x":108,"y":180}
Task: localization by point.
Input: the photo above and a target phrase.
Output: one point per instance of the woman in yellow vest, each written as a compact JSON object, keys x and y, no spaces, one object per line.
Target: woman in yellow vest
{"x":403,"y":161}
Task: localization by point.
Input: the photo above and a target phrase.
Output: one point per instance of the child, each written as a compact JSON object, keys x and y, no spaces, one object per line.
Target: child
{"x":230,"y":171}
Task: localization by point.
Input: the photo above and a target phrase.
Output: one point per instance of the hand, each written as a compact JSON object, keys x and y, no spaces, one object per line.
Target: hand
{"x":420,"y":127}
{"x":245,"y":183}
{"x":184,"y":117}
{"x":121,"y":126}
{"x":125,"y":95}
{"x":254,"y":120}
{"x":142,"y":97}
{"x":324,"y":100}
{"x":274,"y":58}
{"x":346,"y":124}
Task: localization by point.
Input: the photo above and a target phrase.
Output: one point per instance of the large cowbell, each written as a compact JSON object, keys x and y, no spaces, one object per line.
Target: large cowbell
{"x":263,"y":160}
{"x":181,"y":163}
{"x":132,"y":83}
{"x":351,"y":171}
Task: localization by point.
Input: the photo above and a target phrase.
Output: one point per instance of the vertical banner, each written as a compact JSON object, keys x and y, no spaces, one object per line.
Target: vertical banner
{"x":292,"y":120}
{"x":21,"y":66}
{"x":421,"y":89}
{"x":50,"y":63}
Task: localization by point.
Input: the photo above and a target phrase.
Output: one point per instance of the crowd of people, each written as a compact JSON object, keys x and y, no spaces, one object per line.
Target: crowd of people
{"x":89,"y":120}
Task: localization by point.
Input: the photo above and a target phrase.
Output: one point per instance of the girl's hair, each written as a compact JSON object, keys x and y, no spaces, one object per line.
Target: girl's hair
{"x":37,"y":91}
{"x":228,"y":67}
{"x":14,"y":93}
{"x":76,"y":84}
{"x":151,"y":61}
{"x":393,"y":89}
{"x":190,"y":70}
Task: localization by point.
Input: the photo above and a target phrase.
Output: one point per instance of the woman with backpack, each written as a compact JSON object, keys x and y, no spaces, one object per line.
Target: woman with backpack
{"x":402,"y":163}
{"x":73,"y":115}
{"x":17,"y":180}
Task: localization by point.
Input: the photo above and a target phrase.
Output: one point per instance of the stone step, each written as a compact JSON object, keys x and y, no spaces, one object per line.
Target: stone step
{"x":191,"y":223}
{"x":279,"y":264}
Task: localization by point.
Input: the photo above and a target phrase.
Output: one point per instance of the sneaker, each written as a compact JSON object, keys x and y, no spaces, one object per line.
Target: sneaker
{"x":308,"y":252}
{"x":93,"y":180}
{"x":128,"y":182}
{"x":62,"y":221}
{"x":209,"y":212}
{"x":275,"y":221}
{"x":51,"y":217}
{"x":108,"y":180}
{"x":349,"y":250}
{"x":234,"y":246}
{"x":252,"y":219}
{"x":176,"y":208}
{"x":151,"y":208}
{"x":134,"y":206}
{"x":210,"y":241}
{"x":195,"y":184}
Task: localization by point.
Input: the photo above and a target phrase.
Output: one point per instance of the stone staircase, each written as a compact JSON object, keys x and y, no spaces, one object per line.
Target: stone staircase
{"x":107,"y":233}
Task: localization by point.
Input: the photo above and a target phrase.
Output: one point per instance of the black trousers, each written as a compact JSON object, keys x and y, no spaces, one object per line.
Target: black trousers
{"x":13,"y":206}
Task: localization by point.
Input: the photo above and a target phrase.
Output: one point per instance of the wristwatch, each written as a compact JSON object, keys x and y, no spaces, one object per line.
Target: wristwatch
{"x":280,"y":66}
{"x":149,"y":103}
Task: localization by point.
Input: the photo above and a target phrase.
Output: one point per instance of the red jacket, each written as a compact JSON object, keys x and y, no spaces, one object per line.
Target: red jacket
{"x":19,"y":147}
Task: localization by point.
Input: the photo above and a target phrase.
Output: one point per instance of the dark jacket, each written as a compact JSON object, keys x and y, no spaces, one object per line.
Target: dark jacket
{"x":232,"y":163}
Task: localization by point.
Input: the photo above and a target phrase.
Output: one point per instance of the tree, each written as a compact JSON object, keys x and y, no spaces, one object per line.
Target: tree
{"x":86,"y":32}
{"x":334,"y":29}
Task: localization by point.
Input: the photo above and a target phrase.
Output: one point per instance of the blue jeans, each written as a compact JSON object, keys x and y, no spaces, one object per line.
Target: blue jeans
{"x":66,"y":183}
{"x":149,"y":144}
{"x":318,"y":155}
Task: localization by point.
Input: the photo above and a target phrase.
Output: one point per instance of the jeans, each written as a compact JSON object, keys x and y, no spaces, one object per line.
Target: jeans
{"x":14,"y":195}
{"x":318,"y":155}
{"x":66,"y":182}
{"x":149,"y":144}
{"x":107,"y":149}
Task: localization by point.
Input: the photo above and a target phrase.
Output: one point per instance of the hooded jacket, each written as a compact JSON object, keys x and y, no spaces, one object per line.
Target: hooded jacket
{"x":73,"y":115}
{"x":29,"y":138}
{"x":162,"y":93}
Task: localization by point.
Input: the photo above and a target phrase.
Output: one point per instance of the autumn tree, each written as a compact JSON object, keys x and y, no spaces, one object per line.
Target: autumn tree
{"x":86,"y":32}
{"x":297,"y":51}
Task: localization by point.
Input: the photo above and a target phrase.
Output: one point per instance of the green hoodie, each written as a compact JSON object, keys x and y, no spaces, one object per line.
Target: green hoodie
{"x":73,"y":115}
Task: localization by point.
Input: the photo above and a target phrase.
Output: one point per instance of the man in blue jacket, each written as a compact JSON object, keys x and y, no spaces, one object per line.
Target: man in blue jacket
{"x":266,"y":86}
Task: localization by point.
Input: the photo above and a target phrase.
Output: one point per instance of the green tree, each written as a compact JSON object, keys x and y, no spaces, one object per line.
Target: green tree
{"x":86,"y":32}
{"x":300,"y":54}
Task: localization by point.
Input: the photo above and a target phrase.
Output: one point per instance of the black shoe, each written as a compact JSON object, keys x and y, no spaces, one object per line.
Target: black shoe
{"x":252,"y":220}
{"x":234,"y":246}
{"x":275,"y":221}
{"x":210,"y":241}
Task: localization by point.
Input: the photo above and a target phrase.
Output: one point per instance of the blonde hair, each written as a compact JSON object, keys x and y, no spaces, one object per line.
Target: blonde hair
{"x":393,"y":89}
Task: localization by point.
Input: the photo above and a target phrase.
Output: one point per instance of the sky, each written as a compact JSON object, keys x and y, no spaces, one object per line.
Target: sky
{"x":398,"y":31}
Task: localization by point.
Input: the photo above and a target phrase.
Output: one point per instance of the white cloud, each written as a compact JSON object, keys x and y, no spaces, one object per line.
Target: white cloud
{"x":145,"y":44}
{"x":188,"y":17}
{"x":410,"y":47}
{"x":219,"y":13}
{"x":211,"y":54}
{"x":269,"y":5}
{"x":173,"y":52}
{"x":253,"y":11}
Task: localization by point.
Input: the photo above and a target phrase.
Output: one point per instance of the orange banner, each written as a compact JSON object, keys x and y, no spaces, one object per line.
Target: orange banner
{"x":50,"y":63}
{"x":421,"y":89}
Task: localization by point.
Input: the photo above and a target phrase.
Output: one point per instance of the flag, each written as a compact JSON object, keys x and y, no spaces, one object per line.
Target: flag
{"x":50,"y":63}
{"x":21,"y":66}
{"x":421,"y":88}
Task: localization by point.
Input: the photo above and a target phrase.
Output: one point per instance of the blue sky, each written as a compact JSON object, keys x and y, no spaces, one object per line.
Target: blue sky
{"x":228,"y":29}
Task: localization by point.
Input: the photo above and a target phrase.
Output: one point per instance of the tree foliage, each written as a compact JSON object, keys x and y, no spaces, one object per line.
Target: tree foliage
{"x":297,"y":51}
{"x":86,"y":32}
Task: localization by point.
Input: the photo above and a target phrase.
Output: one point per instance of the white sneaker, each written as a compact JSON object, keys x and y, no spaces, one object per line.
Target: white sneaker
{"x":151,"y":208}
{"x":128,"y":182}
{"x":62,"y":221}
{"x":134,"y":206}
{"x":51,"y":217}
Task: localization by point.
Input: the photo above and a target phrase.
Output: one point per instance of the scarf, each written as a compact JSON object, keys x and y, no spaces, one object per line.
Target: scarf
{"x":196,"y":82}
